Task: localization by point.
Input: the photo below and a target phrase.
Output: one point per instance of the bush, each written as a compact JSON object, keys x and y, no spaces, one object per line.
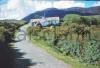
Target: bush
{"x":92,"y":51}
{"x":87,"y":51}
{"x":69,"y":48}
{"x":7,"y":30}
{"x":2,"y":29}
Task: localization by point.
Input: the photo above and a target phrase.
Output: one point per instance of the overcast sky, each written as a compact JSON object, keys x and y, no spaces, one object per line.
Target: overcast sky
{"x":17,"y":9}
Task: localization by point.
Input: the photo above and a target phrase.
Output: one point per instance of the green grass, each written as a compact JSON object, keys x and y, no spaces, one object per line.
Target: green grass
{"x":68,"y":60}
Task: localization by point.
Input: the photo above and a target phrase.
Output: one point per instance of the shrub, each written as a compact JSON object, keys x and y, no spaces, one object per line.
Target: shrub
{"x":69,"y":48}
{"x":2,"y":29}
{"x":92,"y":51}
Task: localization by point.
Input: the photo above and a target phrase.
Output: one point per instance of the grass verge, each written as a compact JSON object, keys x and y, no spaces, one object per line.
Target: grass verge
{"x":73,"y":62}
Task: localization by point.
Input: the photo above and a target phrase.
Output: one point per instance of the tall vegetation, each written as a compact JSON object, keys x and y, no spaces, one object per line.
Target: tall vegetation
{"x":7,"y":30}
{"x":7,"y":35}
{"x":76,"y":37}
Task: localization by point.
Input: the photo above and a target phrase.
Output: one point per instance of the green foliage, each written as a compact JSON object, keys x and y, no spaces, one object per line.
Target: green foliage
{"x":97,"y":17}
{"x":75,"y":39}
{"x":72,"y":18}
{"x":7,"y":30}
{"x":88,"y":20}
{"x":29,"y":30}
{"x":2,"y":29}
{"x":69,"y":48}
{"x":92,"y":51}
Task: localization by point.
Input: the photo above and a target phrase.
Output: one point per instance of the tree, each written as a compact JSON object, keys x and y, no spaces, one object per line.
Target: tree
{"x":89,"y":20}
{"x":72,"y":18}
{"x":97,"y":17}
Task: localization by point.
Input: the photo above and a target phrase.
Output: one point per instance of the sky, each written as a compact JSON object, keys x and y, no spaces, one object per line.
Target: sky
{"x":18,"y":9}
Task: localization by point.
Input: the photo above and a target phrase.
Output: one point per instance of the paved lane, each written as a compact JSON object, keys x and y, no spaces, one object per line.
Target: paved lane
{"x":37,"y":57}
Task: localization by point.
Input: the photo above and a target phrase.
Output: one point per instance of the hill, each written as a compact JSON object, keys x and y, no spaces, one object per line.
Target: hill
{"x":49,"y":12}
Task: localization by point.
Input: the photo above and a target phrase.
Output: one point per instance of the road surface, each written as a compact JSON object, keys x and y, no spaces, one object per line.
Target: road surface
{"x":29,"y":55}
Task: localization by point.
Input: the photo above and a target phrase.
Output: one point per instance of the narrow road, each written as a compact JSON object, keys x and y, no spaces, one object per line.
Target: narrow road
{"x":30,"y":56}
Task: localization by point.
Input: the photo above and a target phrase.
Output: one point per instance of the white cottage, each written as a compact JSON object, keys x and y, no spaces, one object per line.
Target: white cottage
{"x":45,"y":21}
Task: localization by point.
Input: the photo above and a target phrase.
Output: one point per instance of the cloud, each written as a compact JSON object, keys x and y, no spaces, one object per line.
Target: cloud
{"x":13,"y":4}
{"x":40,"y":5}
{"x":12,"y":10}
{"x":97,"y":3}
{"x":68,"y":4}
{"x":17,"y":9}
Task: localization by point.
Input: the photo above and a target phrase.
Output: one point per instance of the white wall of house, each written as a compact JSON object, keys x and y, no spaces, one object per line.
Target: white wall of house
{"x":43,"y":20}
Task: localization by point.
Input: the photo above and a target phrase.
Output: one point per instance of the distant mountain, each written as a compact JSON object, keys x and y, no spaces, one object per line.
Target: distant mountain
{"x":50,"y":12}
